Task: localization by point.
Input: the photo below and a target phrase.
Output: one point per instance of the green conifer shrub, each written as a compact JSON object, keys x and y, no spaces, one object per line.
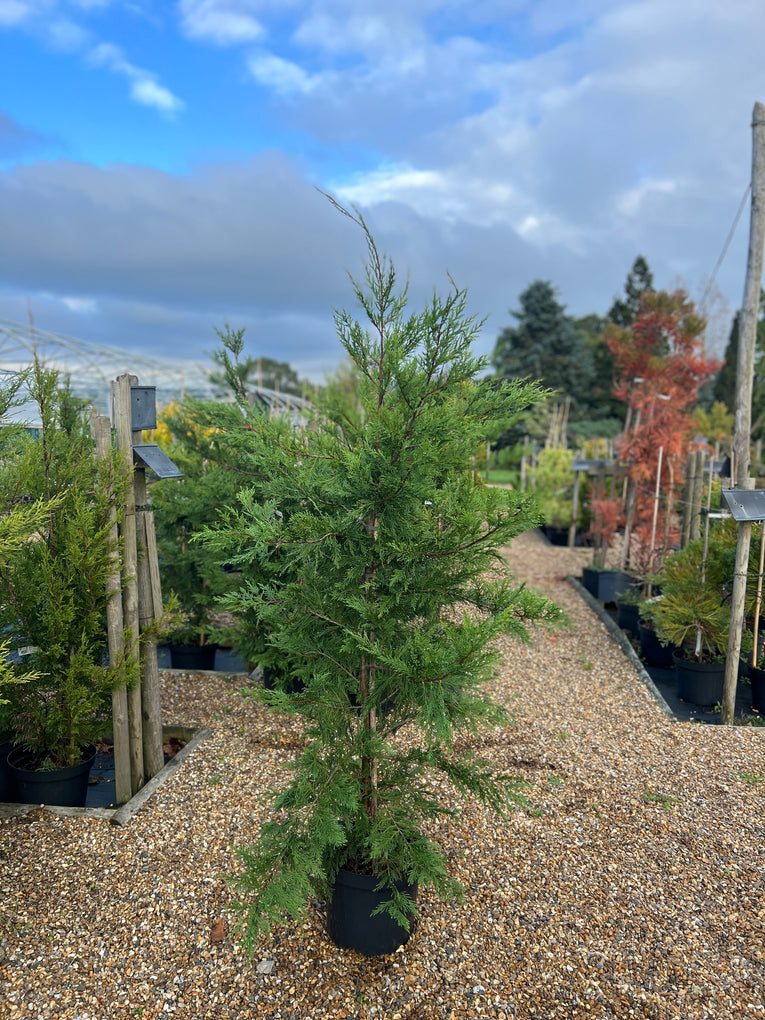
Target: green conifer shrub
{"x":53,"y":586}
{"x":370,"y":556}
{"x":191,"y":573}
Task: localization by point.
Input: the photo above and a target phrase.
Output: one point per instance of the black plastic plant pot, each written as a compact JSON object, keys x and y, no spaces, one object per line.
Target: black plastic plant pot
{"x":278,"y":679}
{"x":653,"y":651}
{"x":350,"y":924}
{"x":555,"y":536}
{"x":192,"y":657}
{"x":60,"y":787}
{"x":700,"y":683}
{"x":7,"y":778}
{"x":757,"y":679}
{"x":606,"y":585}
{"x":627,"y":616}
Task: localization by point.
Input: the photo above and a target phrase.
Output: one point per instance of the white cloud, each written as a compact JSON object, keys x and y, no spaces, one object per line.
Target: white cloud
{"x":83,"y":306}
{"x":64,"y":35}
{"x":632,"y":202}
{"x":16,"y":12}
{"x":284,"y":77}
{"x":144,"y":87}
{"x":224,"y":22}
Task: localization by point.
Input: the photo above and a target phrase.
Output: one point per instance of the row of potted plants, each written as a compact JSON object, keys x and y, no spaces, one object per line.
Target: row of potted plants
{"x":682,"y":615}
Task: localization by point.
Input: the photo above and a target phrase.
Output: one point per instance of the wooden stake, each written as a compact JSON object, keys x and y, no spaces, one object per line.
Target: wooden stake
{"x":122,"y":422}
{"x":687,"y":504}
{"x":758,"y":603}
{"x":698,"y":488}
{"x":574,"y":510}
{"x":101,"y":430}
{"x":149,"y":609}
{"x":737,"y":601}
{"x":655,"y":508}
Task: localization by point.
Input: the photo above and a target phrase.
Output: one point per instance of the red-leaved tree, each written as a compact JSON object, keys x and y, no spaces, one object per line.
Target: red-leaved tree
{"x":660,"y":365}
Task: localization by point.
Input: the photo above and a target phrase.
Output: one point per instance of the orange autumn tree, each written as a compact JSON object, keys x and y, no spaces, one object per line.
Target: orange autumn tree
{"x":660,"y":364}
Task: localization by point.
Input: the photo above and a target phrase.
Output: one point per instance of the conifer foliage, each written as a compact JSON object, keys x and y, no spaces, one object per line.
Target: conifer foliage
{"x":366,"y":550}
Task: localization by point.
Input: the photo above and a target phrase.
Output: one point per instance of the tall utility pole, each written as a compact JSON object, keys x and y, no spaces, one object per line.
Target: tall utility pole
{"x":749,"y":310}
{"x":743,"y":417}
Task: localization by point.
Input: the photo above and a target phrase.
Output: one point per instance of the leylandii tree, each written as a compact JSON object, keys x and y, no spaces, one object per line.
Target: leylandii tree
{"x":370,"y":555}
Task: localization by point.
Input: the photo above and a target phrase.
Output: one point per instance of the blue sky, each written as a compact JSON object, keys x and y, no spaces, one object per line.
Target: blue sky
{"x":160,"y":162}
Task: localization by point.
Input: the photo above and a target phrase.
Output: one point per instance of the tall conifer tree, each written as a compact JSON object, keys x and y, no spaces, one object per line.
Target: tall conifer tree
{"x":365,"y":549}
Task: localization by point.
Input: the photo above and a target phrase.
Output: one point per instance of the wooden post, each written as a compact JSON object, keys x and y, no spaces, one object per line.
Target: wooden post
{"x":149,"y":610}
{"x":738,"y":597}
{"x":656,"y":495}
{"x":741,"y":453}
{"x":574,"y":510}
{"x":101,"y":430}
{"x":123,"y":425}
{"x":687,"y":503}
{"x":749,"y":310}
{"x":698,"y":489}
{"x":628,"y":523}
{"x":758,"y":602}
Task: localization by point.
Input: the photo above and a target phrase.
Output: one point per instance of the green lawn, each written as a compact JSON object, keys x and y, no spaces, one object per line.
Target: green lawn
{"x":498,"y":476}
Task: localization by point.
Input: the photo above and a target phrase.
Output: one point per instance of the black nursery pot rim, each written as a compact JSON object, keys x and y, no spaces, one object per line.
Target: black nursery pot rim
{"x":686,"y":658}
{"x":23,"y":759}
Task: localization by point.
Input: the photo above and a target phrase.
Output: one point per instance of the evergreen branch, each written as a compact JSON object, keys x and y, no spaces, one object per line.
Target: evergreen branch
{"x":477,"y":541}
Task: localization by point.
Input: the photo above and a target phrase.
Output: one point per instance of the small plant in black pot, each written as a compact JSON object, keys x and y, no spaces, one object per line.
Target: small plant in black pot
{"x":386,"y":609}
{"x":693,"y":612}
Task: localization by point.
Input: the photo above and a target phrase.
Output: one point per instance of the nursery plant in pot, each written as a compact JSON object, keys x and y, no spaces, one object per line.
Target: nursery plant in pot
{"x":385,"y":608}
{"x":693,"y":612}
{"x":18,"y":523}
{"x":53,"y":595}
{"x":603,"y":582}
{"x":552,"y":482}
{"x":190,"y":572}
{"x":217,"y":465}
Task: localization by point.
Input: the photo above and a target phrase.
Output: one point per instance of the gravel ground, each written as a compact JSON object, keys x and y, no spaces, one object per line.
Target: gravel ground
{"x":633,"y":889}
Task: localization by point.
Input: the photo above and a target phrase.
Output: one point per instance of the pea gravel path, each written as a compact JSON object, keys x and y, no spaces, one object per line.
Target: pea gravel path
{"x":635,"y":889}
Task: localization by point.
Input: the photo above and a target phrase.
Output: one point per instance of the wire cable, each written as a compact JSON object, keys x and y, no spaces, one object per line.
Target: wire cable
{"x":725,"y":247}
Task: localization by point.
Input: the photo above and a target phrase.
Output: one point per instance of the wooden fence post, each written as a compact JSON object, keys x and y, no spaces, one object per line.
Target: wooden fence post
{"x":101,"y":430}
{"x":123,"y":423}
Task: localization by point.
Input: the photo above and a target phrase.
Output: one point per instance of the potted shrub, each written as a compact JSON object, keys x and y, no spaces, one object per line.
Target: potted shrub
{"x":53,"y":595}
{"x":552,"y":481}
{"x":384,"y":608}
{"x":18,"y":523}
{"x":603,"y":582}
{"x":693,"y":612}
{"x":191,"y":574}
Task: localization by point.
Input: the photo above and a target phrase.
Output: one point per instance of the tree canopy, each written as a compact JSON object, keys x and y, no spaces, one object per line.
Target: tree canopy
{"x":639,"y":281}
{"x":545,"y":344}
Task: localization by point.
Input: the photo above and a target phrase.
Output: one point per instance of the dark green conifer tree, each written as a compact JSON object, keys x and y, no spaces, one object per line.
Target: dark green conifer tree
{"x":724,"y":388}
{"x":369,"y":554}
{"x":639,"y":280}
{"x":545,"y":345}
